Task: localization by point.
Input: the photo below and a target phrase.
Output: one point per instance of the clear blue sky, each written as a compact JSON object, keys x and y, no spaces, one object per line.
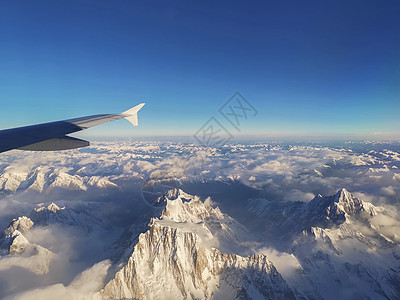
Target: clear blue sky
{"x":308,"y":67}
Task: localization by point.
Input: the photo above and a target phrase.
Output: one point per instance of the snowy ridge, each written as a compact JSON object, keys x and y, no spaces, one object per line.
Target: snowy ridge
{"x":294,"y":217}
{"x":22,"y":224}
{"x":340,"y":233}
{"x":177,"y":258}
{"x":82,"y":216}
{"x":187,"y":208}
{"x":184,"y":210}
{"x":18,"y":251}
{"x":338,"y":245}
{"x":16,"y":248}
{"x":338,"y":208}
{"x":44,"y":180}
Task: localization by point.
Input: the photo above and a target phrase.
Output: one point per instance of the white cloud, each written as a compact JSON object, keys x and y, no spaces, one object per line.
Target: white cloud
{"x":280,"y":172}
{"x":388,"y":224}
{"x":389,"y":190}
{"x":85,"y":286}
{"x":296,"y":195}
{"x":286,"y":264}
{"x":396,"y":177}
{"x":37,"y":263}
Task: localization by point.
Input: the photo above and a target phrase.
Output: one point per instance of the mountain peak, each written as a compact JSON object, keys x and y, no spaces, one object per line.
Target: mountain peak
{"x":173,"y":194}
{"x":22,"y":224}
{"x":18,"y":243}
{"x":346,"y":202}
{"x":184,"y":250}
{"x":183,"y":207}
{"x":343,"y":195}
{"x":337,"y":209}
{"x":51,"y":207}
{"x":82,"y":215}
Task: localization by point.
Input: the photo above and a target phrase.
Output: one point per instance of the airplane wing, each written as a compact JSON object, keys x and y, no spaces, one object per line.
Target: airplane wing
{"x":54,"y":135}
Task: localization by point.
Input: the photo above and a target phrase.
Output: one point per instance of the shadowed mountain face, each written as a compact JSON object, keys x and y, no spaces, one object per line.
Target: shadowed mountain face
{"x":178,"y":257}
{"x":243,"y":222}
{"x":284,"y":219}
{"x":340,"y":242}
{"x":193,"y":250}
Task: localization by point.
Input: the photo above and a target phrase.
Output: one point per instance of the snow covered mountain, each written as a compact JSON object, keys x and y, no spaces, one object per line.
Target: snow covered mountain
{"x":43,"y":179}
{"x":343,"y":244}
{"x":83,"y":216}
{"x":87,"y":210}
{"x":290,"y":218}
{"x":18,"y":251}
{"x":178,"y":258}
{"x":342,"y":247}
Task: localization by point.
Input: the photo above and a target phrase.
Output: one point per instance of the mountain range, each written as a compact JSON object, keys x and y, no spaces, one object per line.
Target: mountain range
{"x":335,"y":246}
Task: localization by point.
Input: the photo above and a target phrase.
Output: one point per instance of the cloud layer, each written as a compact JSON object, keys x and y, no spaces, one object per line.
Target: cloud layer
{"x":109,"y":179}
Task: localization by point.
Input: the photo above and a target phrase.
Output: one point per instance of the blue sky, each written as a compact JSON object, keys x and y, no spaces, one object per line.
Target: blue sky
{"x":309,"y":68}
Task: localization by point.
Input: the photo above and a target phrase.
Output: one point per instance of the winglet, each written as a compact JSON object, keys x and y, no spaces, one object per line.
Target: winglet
{"x":131,"y":114}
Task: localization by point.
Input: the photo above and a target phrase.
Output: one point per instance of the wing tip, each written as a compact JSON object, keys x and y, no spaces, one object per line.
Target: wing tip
{"x":131,"y":114}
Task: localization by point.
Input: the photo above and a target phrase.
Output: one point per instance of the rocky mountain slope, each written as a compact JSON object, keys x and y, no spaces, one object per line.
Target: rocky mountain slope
{"x":178,"y":258}
{"x":343,"y":244}
{"x":18,"y":251}
{"x":44,"y":179}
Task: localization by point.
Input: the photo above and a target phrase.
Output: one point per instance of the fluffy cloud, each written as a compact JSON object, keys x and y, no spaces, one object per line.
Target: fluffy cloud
{"x":275,"y":172}
{"x":296,"y":195}
{"x":388,"y":224}
{"x":287,"y":264}
{"x":389,"y":190}
{"x":85,"y":286}
{"x":283,"y":170}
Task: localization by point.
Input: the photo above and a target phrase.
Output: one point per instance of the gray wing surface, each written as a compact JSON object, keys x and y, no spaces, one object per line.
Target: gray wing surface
{"x":54,"y":135}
